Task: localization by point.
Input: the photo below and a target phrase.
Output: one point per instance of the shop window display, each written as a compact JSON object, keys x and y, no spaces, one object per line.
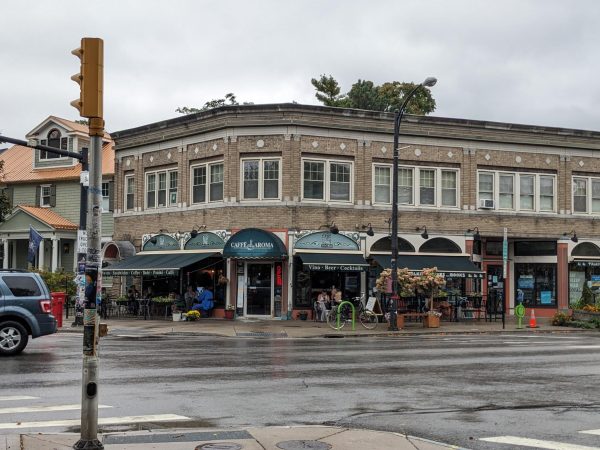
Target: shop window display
{"x":536,"y":284}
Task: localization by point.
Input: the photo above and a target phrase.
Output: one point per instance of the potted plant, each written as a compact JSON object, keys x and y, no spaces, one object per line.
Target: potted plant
{"x":192,"y":315}
{"x":229,"y":312}
{"x":429,"y":283}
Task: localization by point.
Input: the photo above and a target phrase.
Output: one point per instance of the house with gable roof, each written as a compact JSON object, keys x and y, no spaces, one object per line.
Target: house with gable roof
{"x":44,"y":190}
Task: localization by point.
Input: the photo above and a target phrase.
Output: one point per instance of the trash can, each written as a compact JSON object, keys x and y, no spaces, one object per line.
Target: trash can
{"x":58,"y":303}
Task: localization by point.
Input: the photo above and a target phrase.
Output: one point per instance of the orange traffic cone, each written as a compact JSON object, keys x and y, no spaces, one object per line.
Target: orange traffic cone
{"x":532,"y":321}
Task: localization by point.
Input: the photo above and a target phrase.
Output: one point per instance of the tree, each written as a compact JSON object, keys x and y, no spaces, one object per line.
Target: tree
{"x":364,"y":94}
{"x":5,"y":201}
{"x":210,"y":104}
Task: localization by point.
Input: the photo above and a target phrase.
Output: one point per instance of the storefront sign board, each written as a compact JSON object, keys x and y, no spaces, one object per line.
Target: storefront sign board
{"x":205,"y":241}
{"x":326,"y":240}
{"x":335,"y":268}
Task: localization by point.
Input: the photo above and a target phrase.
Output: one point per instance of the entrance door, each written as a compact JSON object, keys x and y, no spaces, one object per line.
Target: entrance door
{"x":259,"y":289}
{"x":495,"y":290}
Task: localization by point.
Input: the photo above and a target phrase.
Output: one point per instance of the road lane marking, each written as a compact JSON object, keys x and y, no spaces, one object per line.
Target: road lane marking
{"x":8,"y":398}
{"x":538,"y":443}
{"x":102,"y":421}
{"x":591,"y":432}
{"x":50,"y":408}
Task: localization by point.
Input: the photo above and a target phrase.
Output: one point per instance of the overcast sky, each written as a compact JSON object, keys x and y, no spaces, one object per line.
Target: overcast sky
{"x":520,"y":61}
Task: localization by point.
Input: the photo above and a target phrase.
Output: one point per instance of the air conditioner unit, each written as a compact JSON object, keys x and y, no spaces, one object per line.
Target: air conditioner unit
{"x":486,"y":203}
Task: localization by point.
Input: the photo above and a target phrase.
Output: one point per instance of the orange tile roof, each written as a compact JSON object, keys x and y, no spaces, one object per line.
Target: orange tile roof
{"x":49,"y":217}
{"x":18,"y":165}
{"x":74,"y":125}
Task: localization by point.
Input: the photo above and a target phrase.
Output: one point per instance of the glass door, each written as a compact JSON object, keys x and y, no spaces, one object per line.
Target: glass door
{"x":259,"y":289}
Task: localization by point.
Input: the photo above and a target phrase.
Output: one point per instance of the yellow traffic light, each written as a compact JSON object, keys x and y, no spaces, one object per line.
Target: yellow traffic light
{"x":90,"y":77}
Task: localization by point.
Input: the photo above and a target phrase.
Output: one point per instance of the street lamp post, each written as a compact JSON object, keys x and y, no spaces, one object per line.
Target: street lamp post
{"x":393,"y":305}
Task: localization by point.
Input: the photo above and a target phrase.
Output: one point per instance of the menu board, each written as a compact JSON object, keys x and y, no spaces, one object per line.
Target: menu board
{"x":576,"y":281}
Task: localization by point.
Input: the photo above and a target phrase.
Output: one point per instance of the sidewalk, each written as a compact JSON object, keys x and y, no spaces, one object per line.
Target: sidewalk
{"x":268,"y":438}
{"x":309,"y":329}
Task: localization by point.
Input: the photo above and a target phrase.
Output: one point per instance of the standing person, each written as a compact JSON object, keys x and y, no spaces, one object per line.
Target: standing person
{"x":105,"y":299}
{"x":189,"y":297}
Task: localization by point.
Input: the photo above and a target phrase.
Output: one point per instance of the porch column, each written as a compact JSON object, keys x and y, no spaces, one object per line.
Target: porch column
{"x":5,"y":259}
{"x":41,"y":255}
{"x":562,"y":274}
{"x":54,"y":254}
{"x":14,"y":254}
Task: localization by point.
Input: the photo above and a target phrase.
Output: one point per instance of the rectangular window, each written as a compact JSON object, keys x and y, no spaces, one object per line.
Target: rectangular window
{"x":546,"y":193}
{"x":260,"y":179}
{"x":151,"y":191}
{"x":537,"y":282}
{"x":271,"y":179}
{"x":595,"y":195}
{"x":382,"y":184}
{"x":216,"y":182}
{"x":46,"y":193}
{"x":449,"y":188}
{"x":427,"y":187}
{"x":486,"y":186}
{"x":162,"y":189}
{"x":21,"y":286}
{"x":314,"y":180}
{"x":405,"y":186}
{"x":199,"y":184}
{"x":527,"y":193}
{"x":105,"y":197}
{"x":173,"y":188}
{"x":506,"y":191}
{"x":580,"y":195}
{"x":129,"y":192}
{"x":339,"y":182}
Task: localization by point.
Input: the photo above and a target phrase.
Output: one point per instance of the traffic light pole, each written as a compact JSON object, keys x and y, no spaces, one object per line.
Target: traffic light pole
{"x":93,"y":281}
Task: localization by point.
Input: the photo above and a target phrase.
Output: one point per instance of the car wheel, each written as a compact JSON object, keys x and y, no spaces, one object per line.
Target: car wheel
{"x":13,"y":338}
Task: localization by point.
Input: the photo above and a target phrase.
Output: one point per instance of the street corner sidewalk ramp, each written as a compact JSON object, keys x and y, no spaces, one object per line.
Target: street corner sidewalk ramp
{"x":268,"y":438}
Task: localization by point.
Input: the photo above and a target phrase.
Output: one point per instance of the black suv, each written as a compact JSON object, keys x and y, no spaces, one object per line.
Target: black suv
{"x":25,"y":310}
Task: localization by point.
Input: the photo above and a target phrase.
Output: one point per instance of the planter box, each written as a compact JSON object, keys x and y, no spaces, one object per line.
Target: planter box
{"x":431,"y":321}
{"x":229,"y":313}
{"x":177,"y":317}
{"x":585,"y":316}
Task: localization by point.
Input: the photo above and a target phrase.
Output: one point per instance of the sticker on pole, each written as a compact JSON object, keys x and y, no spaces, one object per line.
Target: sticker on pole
{"x":81,"y":241}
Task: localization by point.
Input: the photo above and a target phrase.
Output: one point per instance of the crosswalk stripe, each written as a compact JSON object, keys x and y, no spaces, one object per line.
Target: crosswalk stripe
{"x":591,"y":432}
{"x":42,"y":408}
{"x":16,"y":397}
{"x":101,"y":421}
{"x":538,"y":443}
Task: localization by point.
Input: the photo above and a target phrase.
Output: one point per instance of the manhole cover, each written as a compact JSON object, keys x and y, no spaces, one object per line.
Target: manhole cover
{"x":303,"y":445}
{"x":219,"y":446}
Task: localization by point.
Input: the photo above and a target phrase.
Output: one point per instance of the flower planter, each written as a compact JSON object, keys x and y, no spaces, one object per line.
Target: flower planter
{"x":229,"y":314}
{"x":177,"y":317}
{"x":430,"y":321}
{"x":585,"y":316}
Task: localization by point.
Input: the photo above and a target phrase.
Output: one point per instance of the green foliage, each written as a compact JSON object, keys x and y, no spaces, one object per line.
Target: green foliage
{"x":5,"y":206}
{"x":581,"y":324}
{"x":587,"y":297}
{"x":229,"y":100}
{"x":60,"y":281}
{"x":364,"y":94}
{"x":560,"y":319}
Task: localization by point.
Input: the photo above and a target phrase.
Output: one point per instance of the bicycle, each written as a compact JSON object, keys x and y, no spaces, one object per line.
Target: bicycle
{"x":367,"y":318}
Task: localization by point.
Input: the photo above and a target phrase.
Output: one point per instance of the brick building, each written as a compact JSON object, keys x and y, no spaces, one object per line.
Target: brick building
{"x":252,"y":193}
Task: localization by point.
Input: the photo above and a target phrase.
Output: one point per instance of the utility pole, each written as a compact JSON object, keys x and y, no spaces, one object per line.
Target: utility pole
{"x":90,"y":105}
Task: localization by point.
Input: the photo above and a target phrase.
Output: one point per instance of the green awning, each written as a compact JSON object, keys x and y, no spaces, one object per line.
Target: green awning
{"x":450,"y":266}
{"x":333,"y":262}
{"x":155,"y":264}
{"x":254,"y":243}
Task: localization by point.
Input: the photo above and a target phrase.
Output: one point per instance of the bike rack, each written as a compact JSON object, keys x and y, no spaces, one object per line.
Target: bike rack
{"x":339,"y":311}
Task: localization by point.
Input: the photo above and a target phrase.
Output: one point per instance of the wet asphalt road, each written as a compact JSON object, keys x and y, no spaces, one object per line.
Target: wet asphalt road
{"x":455,"y":389}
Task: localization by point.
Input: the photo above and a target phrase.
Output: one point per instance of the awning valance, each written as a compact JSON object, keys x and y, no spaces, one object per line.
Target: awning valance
{"x":333,"y":262}
{"x":254,"y":243}
{"x":155,"y":264}
{"x":450,"y":266}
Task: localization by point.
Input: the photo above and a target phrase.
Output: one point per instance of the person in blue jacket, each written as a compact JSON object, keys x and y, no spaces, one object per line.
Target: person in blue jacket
{"x":205,"y":302}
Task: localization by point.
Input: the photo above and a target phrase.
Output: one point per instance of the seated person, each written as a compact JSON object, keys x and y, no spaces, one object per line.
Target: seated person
{"x":179,"y":304}
{"x":205,"y":302}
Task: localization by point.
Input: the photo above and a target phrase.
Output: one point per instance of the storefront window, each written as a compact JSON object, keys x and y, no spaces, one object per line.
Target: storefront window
{"x":580,"y":273}
{"x":536,"y":284}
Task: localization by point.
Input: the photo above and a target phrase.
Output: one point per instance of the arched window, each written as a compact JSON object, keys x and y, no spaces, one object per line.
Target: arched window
{"x":385,"y":245}
{"x":54,"y":140}
{"x":586,"y":249}
{"x":440,"y":245}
